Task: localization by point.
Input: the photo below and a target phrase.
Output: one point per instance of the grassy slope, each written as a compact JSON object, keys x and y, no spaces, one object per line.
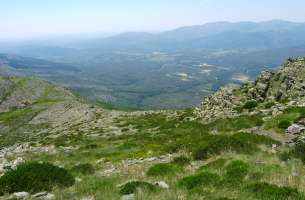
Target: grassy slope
{"x":208,"y":161}
{"x":162,"y":133}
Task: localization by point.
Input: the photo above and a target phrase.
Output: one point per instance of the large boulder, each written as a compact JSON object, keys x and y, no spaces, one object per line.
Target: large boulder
{"x":295,"y":129}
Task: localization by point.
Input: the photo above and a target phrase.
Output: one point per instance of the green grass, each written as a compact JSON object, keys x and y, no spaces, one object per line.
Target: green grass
{"x":236,"y":171}
{"x":280,"y":122}
{"x":266,"y":191}
{"x":164,"y":169}
{"x":84,"y":169}
{"x":100,"y":187}
{"x":240,"y":143}
{"x":204,"y":179}
{"x":131,"y":187}
{"x":181,"y":161}
{"x":236,"y":124}
{"x":250,"y":105}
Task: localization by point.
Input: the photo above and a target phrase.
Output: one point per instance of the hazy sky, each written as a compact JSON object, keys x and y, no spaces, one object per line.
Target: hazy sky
{"x":28,"y":18}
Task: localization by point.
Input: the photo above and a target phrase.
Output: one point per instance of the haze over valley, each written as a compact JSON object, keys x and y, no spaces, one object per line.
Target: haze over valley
{"x":142,"y":70}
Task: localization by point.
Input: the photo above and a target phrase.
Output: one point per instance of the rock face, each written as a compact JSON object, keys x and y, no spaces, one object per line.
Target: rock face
{"x":285,"y":87}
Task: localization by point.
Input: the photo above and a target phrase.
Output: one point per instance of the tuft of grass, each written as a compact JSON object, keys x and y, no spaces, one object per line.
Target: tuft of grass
{"x":181,"y":160}
{"x":35,"y":177}
{"x":273,"y":192}
{"x":98,"y":186}
{"x":214,"y":165}
{"x":203,"y":179}
{"x":131,"y":187}
{"x":236,"y":171}
{"x":298,"y":151}
{"x":84,"y":169}
{"x":239,"y":143}
{"x":164,"y":169}
{"x":236,"y":124}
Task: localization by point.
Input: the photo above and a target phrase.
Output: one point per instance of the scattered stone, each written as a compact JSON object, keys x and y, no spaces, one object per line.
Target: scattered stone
{"x":21,"y":195}
{"x":162,"y":184}
{"x":40,"y":194}
{"x":295,"y":129}
{"x":49,"y":196}
{"x":128,"y":197}
{"x":110,"y":171}
{"x":151,"y":159}
{"x":77,"y":179}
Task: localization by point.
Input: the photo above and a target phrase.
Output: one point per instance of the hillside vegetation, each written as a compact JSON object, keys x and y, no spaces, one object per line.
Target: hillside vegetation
{"x":241,"y":143}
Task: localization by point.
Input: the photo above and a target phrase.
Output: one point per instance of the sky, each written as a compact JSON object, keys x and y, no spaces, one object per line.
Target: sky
{"x":41,"y":18}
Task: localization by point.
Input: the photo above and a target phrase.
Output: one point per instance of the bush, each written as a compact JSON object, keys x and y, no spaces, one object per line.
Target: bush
{"x":239,"y":142}
{"x":202,"y":179}
{"x":85,"y":169}
{"x":250,"y":104}
{"x":236,"y":171}
{"x":284,"y":124}
{"x":269,"y":105}
{"x":163,"y":169}
{"x":273,"y":192}
{"x":285,"y":155}
{"x":131,"y":187}
{"x":181,"y":160}
{"x":35,"y":177}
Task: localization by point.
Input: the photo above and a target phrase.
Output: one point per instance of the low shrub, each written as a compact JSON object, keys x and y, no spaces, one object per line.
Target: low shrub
{"x":35,"y":177}
{"x":284,"y":124}
{"x":181,"y":160}
{"x":250,"y":104}
{"x":201,"y":179}
{"x":269,"y":105}
{"x":163,"y":169}
{"x":273,"y":192}
{"x":285,"y":155}
{"x":131,"y":187}
{"x":236,"y":171}
{"x":84,"y":169}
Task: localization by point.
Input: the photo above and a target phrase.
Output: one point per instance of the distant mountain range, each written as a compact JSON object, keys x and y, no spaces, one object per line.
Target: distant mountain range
{"x":267,"y":35}
{"x":161,"y":70}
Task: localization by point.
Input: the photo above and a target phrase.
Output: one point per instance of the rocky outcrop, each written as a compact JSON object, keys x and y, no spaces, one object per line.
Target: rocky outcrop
{"x":285,"y":87}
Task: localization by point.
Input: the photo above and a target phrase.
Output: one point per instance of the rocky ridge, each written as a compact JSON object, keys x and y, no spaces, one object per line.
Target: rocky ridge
{"x":271,"y":91}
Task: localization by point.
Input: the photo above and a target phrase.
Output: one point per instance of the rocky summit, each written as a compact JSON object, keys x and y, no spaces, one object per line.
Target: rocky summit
{"x":244,"y":142}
